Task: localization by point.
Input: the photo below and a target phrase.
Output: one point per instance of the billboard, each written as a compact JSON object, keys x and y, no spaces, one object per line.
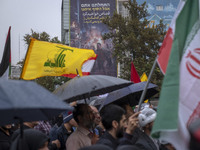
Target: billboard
{"x":87,"y":29}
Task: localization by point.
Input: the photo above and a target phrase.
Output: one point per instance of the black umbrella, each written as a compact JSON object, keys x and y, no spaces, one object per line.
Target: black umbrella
{"x":87,"y":86}
{"x":98,"y":101}
{"x":27,"y":101}
{"x":130,"y":94}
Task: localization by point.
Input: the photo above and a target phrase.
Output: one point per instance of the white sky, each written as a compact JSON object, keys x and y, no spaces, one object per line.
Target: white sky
{"x":24,"y":15}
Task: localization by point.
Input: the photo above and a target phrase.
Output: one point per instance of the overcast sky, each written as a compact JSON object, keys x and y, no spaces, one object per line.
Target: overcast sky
{"x":24,"y":15}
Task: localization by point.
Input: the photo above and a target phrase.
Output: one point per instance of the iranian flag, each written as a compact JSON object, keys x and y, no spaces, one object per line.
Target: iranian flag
{"x":165,"y":49}
{"x":179,"y":104}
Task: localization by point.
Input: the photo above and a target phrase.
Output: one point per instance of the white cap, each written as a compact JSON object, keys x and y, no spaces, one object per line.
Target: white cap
{"x":146,"y":116}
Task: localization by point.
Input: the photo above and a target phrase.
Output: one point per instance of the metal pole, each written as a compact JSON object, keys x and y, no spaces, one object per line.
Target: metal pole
{"x":145,"y":88}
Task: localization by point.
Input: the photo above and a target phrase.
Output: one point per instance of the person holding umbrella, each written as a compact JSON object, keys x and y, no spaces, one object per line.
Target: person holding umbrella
{"x":146,"y":120}
{"x":83,"y":136}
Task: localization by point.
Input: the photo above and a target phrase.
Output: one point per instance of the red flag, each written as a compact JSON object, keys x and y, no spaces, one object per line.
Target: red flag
{"x":134,"y":75}
{"x":6,"y":59}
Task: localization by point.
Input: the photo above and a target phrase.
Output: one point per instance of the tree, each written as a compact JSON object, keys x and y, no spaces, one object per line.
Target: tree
{"x":49,"y":82}
{"x":134,"y":41}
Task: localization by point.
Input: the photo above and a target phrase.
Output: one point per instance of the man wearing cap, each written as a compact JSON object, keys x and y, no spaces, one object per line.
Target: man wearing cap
{"x":66,"y":129}
{"x":146,"y":120}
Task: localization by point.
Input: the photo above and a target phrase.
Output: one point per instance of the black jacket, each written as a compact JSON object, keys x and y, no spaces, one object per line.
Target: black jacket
{"x":107,"y":139}
{"x":143,"y":141}
{"x":5,"y":141}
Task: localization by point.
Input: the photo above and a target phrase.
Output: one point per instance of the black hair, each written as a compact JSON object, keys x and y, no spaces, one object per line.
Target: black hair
{"x":79,"y":110}
{"x":110,"y":113}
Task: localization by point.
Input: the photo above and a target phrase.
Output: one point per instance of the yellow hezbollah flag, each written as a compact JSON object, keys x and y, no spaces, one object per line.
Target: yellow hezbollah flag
{"x":143,"y":77}
{"x":51,"y":59}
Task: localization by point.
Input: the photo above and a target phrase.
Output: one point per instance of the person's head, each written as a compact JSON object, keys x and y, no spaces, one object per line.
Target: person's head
{"x":32,"y":140}
{"x":96,"y":113}
{"x":68,"y":118}
{"x":146,"y":118}
{"x":113,"y":118}
{"x":83,"y":115}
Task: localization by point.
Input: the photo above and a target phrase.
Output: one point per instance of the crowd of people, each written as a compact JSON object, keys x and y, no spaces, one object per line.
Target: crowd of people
{"x":114,"y":127}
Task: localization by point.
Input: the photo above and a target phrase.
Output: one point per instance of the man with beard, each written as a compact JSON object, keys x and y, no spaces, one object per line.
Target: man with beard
{"x":117,"y":126}
{"x":97,"y":121}
{"x":83,"y":136}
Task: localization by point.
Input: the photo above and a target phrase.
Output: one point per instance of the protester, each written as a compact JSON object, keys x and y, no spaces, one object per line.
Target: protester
{"x":146,"y":119}
{"x":84,"y":117}
{"x":43,"y":126}
{"x":32,"y":140}
{"x":56,"y":122}
{"x":115,"y":123}
{"x":66,"y":129}
{"x":5,"y":137}
{"x":97,"y":128}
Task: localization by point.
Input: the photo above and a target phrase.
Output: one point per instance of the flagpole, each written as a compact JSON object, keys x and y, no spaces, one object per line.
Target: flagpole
{"x":145,"y":88}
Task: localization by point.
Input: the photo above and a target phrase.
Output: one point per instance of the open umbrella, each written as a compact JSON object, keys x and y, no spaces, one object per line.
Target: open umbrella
{"x":87,"y":86}
{"x":27,"y":101}
{"x":130,"y":94}
{"x":98,"y":102}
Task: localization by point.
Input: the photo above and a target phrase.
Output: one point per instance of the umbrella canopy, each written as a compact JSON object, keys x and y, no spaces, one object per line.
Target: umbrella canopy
{"x":130,"y":94}
{"x":98,"y":101}
{"x":27,"y":101}
{"x":88,"y":86}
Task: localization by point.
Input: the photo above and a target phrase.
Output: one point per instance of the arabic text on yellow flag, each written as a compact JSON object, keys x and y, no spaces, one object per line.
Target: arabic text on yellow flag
{"x":143,"y":77}
{"x":51,"y":59}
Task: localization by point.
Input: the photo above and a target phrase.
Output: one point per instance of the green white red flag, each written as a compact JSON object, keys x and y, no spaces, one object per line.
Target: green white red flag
{"x":165,"y":49}
{"x":179,"y":103}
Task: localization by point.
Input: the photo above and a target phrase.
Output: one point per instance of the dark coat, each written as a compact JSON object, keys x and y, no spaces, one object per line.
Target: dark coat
{"x":62,"y":135}
{"x":5,"y":141}
{"x":144,"y":141}
{"x":107,"y":139}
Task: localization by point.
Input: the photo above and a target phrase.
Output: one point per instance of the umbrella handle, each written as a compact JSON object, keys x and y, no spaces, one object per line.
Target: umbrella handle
{"x":21,"y":126}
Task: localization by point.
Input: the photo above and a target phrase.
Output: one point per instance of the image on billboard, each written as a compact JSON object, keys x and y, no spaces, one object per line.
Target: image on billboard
{"x":87,"y":30}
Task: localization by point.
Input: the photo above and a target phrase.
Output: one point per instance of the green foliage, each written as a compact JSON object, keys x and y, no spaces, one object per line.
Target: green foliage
{"x":49,"y":82}
{"x":134,"y":41}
